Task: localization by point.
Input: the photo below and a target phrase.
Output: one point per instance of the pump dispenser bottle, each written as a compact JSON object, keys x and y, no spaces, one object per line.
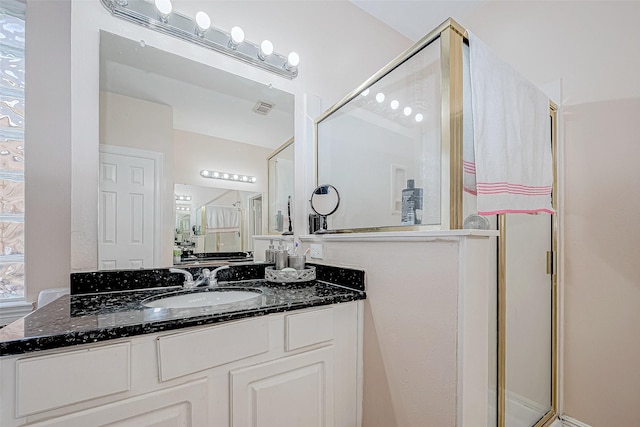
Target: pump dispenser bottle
{"x":270,"y":254}
{"x":281,"y":256}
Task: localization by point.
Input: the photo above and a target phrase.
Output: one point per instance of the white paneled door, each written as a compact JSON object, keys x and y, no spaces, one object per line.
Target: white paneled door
{"x":127,"y":208}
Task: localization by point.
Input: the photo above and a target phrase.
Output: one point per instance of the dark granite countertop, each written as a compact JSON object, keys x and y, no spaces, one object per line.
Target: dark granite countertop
{"x":95,"y":315}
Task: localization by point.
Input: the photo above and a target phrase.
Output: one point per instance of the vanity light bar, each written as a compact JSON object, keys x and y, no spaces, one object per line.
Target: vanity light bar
{"x":162,"y":18}
{"x":228,"y":176}
{"x":183,"y":198}
{"x":183,"y":208}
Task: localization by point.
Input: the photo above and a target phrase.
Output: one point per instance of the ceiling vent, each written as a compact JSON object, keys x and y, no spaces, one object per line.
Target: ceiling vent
{"x":263,"y":107}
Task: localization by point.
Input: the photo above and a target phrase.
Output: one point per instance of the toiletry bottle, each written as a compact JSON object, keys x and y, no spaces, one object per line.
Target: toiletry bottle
{"x":270,"y":254}
{"x":418,"y":200}
{"x":281,"y":256}
{"x":412,"y":200}
{"x":408,"y":204}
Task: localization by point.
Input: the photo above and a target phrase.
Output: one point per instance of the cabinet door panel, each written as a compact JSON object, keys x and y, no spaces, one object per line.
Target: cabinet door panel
{"x":57,"y":380}
{"x":290,"y":392}
{"x":180,"y":406}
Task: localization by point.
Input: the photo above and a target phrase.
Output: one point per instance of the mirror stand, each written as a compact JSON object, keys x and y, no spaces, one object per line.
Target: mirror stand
{"x":324,"y":201}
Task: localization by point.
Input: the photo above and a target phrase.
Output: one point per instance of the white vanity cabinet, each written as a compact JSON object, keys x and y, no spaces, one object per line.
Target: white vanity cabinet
{"x":297,"y":368}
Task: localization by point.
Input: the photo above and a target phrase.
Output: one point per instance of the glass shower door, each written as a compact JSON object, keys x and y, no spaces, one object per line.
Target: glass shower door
{"x":528,"y":317}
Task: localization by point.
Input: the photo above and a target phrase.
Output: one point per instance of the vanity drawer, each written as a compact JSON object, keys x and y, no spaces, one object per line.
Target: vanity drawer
{"x":308,"y":328}
{"x":189,"y":352}
{"x":47,"y":382}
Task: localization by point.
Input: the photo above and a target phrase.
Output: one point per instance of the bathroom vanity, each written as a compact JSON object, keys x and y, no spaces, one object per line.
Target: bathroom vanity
{"x":290,"y":358}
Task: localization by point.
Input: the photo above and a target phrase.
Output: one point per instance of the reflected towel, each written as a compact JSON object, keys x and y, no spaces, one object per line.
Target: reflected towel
{"x":511,"y":129}
{"x":222,"y":219}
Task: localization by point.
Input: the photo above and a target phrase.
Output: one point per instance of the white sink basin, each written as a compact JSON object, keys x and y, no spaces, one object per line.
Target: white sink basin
{"x":204,"y":299}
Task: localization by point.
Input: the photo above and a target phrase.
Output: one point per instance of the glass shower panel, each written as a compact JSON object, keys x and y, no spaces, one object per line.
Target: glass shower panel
{"x":528,"y":352}
{"x":385,"y":136}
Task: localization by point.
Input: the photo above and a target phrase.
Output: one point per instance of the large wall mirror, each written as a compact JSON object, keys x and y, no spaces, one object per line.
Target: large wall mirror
{"x":382,"y":148}
{"x":163,"y":120}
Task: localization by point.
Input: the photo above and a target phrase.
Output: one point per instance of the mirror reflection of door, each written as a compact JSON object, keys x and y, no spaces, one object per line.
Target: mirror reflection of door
{"x":197,"y":118}
{"x":128,"y":208}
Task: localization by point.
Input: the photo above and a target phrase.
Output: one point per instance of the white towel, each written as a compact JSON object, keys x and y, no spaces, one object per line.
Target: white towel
{"x":222,"y":219}
{"x":511,"y":129}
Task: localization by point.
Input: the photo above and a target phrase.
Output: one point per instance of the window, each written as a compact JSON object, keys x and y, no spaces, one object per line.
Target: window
{"x":12,"y":147}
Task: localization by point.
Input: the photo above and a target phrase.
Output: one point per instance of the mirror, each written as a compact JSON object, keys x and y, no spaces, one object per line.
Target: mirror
{"x":324,"y":201}
{"x":383,"y":139}
{"x":281,"y":177}
{"x":164,"y":119}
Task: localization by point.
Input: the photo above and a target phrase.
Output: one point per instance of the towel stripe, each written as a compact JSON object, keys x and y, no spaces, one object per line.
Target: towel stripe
{"x":502,"y":211}
{"x":469,"y":166}
{"x":506,"y":188}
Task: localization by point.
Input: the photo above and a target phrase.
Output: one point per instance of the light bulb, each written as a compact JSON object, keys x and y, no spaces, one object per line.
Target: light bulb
{"x":225,"y":176}
{"x":235,"y":176}
{"x":266,"y":49}
{"x":419,"y":117}
{"x":365,"y":92}
{"x":395,"y":104}
{"x":216,"y":174}
{"x":292,"y":61}
{"x":253,"y":179}
{"x":164,"y":9}
{"x":237,"y":37}
{"x":245,"y":179}
{"x":203,"y":22}
{"x":407,"y":111}
{"x":204,"y":173}
{"x":380,"y":97}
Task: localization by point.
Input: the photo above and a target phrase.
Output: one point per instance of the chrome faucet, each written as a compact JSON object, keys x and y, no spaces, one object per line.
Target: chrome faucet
{"x":213,"y":279}
{"x":206,"y":276}
{"x":188,"y":277}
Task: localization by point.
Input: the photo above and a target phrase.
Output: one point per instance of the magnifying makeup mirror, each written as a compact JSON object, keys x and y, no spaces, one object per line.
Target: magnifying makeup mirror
{"x":324,"y":201}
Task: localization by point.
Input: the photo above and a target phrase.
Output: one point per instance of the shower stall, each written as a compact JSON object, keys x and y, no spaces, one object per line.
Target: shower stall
{"x":412,"y":121}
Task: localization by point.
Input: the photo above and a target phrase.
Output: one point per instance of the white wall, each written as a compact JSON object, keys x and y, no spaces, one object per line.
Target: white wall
{"x":48,"y":146}
{"x":592,"y":48}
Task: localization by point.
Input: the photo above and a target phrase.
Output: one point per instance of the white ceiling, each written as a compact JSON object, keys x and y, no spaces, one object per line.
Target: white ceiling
{"x":416,"y":18}
{"x":205,"y":100}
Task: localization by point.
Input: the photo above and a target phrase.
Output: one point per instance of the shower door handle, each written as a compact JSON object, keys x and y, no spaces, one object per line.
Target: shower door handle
{"x":551,"y":262}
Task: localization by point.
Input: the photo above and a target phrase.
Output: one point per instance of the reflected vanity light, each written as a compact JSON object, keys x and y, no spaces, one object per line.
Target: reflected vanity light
{"x":183,"y":208}
{"x":419,"y":117}
{"x":183,"y":198}
{"x":160,"y":16}
{"x":365,"y":92}
{"x":228,"y":176}
{"x":380,"y":97}
{"x":394,"y":104}
{"x":407,"y":111}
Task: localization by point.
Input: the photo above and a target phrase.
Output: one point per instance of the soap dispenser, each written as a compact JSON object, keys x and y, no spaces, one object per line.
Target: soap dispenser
{"x":270,"y":254}
{"x":281,"y":256}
